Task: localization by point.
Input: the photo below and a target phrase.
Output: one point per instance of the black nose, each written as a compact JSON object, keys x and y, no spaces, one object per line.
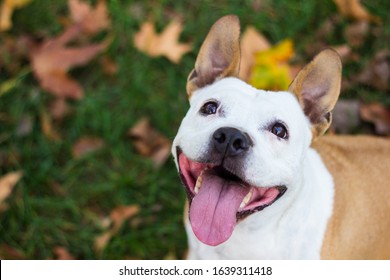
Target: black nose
{"x":230,"y":141}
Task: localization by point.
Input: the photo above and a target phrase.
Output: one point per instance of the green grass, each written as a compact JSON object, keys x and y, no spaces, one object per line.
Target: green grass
{"x":40,"y":217}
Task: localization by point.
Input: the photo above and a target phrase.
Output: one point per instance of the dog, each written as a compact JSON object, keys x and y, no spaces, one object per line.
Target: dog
{"x":261,"y":182}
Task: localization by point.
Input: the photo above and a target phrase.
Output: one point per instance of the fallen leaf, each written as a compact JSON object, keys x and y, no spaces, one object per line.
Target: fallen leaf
{"x":355,"y":10}
{"x":91,"y":20}
{"x":48,"y":128}
{"x":164,"y":44}
{"x":117,"y":216}
{"x":62,"y":253}
{"x":377,"y":114}
{"x":376,"y":73}
{"x":7,"y":184}
{"x":52,"y":60}
{"x":251,"y":43}
{"x":86,"y":145}
{"x":149,"y":142}
{"x":271,"y":70}
{"x":7,"y":9}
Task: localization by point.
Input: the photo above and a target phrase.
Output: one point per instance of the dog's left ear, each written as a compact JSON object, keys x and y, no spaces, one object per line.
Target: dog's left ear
{"x":219,"y":55}
{"x":317,"y":87}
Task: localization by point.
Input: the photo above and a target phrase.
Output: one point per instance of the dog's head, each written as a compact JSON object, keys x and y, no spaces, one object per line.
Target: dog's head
{"x":239,"y":149}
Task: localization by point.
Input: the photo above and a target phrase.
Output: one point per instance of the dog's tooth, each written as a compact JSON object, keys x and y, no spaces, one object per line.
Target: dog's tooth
{"x":198,"y":183}
{"x":246,"y":199}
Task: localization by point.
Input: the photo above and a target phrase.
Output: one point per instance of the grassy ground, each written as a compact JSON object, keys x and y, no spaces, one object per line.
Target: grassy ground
{"x":60,"y":200}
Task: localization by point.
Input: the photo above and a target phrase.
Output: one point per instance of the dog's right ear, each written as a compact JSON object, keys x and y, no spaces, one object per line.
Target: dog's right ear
{"x":219,"y":55}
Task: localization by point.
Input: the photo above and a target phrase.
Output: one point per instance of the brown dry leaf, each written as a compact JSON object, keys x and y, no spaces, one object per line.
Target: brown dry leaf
{"x":149,"y":142}
{"x":47,"y":127}
{"x":86,"y":145}
{"x":251,"y":43}
{"x":7,"y":9}
{"x":118,"y":216}
{"x":52,"y":60}
{"x":355,"y":10}
{"x":7,"y":184}
{"x":377,"y":72}
{"x":377,"y":114}
{"x":62,"y":253}
{"x":92,"y":20}
{"x":164,"y":44}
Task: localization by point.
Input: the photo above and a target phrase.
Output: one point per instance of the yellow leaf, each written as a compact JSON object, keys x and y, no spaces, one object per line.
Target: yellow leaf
{"x":164,"y":44}
{"x":271,"y":70}
{"x":7,"y":183}
{"x":7,"y":8}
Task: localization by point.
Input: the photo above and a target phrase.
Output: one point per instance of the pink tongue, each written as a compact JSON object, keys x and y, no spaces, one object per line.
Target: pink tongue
{"x":213,"y":210}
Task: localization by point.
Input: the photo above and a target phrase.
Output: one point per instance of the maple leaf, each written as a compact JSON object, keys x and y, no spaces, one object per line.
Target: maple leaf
{"x":271,"y":69}
{"x":91,"y":20}
{"x":355,"y":10}
{"x":52,"y":59}
{"x":7,"y":9}
{"x":164,"y":44}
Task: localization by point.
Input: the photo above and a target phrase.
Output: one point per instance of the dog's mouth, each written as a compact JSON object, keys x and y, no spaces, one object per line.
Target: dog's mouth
{"x":219,"y":199}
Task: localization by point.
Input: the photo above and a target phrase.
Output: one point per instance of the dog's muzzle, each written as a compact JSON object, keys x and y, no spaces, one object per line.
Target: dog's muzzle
{"x":218,"y":193}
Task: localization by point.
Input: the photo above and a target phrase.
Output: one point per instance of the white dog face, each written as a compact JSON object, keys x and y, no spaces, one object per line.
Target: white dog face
{"x":239,"y":149}
{"x":252,"y":167}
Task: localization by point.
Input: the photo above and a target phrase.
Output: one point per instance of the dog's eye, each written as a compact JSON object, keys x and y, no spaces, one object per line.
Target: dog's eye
{"x":209,"y":108}
{"x":279,"y":130}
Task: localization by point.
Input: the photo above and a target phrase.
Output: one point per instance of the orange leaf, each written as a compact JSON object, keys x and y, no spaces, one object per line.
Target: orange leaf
{"x":166,"y":43}
{"x":52,"y":60}
{"x":7,"y":184}
{"x":86,"y":145}
{"x":91,"y":20}
{"x":355,"y":10}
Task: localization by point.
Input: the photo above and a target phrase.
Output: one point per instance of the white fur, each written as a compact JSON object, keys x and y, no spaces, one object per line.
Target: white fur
{"x":294,"y":226}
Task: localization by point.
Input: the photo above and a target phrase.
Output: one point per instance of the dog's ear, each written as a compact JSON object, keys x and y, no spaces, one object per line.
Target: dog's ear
{"x":219,"y":55}
{"x":317,"y":87}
